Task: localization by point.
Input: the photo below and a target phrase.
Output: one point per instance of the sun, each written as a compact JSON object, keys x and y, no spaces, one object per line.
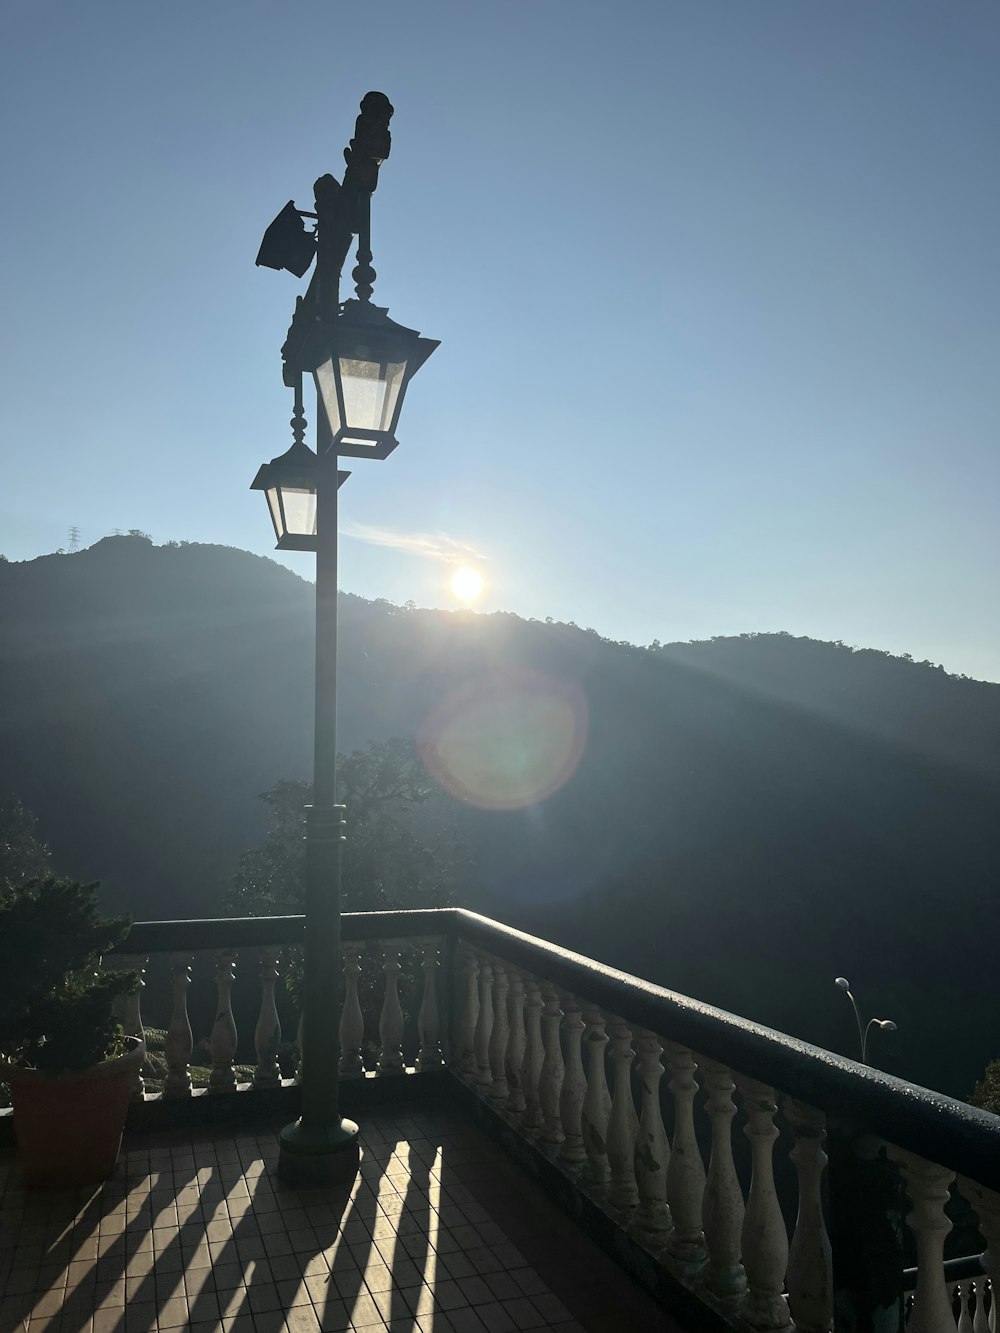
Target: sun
{"x":467,"y":584}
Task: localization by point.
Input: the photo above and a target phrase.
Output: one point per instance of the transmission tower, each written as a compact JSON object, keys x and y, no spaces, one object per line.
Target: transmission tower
{"x":74,"y":538}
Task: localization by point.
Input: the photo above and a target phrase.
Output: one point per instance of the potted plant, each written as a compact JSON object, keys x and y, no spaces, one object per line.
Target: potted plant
{"x":61,"y":1047}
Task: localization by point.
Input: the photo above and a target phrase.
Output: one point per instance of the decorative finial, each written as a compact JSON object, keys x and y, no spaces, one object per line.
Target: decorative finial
{"x":371,"y":144}
{"x":298,"y":422}
{"x":363,"y":274}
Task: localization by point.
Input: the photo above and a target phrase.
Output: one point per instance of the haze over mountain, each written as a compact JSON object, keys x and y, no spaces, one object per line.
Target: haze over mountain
{"x":740,"y":819}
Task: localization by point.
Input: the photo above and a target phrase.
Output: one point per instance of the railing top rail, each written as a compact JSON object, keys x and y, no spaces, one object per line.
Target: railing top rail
{"x":248,"y":932}
{"x":863,"y":1099}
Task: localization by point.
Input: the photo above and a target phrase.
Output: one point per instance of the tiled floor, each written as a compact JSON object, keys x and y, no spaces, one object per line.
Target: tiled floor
{"x":438,"y":1232}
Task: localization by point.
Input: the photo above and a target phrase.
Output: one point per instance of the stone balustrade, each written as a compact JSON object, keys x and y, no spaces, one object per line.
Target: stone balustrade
{"x":373,"y":1027}
{"x":763,"y":1178}
{"x":640,"y":1099}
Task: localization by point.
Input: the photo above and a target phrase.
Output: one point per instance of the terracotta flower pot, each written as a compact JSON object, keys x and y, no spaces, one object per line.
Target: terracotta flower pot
{"x":69,"y":1126}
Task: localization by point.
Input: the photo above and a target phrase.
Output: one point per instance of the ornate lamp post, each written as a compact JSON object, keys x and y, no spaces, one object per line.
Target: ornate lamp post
{"x":362,"y":363}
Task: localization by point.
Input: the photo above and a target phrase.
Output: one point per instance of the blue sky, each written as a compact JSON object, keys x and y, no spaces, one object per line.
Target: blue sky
{"x":716,"y":283}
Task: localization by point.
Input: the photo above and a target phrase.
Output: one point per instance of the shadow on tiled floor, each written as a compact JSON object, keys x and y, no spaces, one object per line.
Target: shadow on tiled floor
{"x":438,"y":1232}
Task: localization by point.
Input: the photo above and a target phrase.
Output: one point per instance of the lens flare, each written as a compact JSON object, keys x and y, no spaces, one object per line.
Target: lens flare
{"x":507,"y":741}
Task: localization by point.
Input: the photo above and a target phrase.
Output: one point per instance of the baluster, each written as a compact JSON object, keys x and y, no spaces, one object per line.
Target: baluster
{"x":428,"y":1022}
{"x":986,"y":1203}
{"x":597,"y":1102}
{"x":550,"y":1078}
{"x":574,"y":1087}
{"x":964,"y":1313}
{"x":498,"y":1090}
{"x":466,"y":1012}
{"x":980,"y":1324}
{"x":686,"y":1172}
{"x":352,"y":1021}
{"x":484,"y":1024}
{"x":267,"y":1034}
{"x":810,"y":1263}
{"x":722,"y":1209}
{"x":623,"y":1123}
{"x":390,"y":1027}
{"x":927,"y":1186}
{"x":178,"y":1043}
{"x":132,"y":1016}
{"x":765,"y":1242}
{"x":516,"y":1044}
{"x":955,"y":1301}
{"x":652,"y":1155}
{"x":222,"y":1042}
{"x":533,"y":1055}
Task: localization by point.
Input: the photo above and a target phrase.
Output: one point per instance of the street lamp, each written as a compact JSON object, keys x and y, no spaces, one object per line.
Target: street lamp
{"x":362,"y":363}
{"x":289,"y":483}
{"x":363,"y":378}
{"x":883,"y":1024}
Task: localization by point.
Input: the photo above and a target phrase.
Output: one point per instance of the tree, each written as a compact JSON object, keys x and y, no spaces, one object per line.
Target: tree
{"x":400,"y":852}
{"x":986,"y":1094}
{"x":23,"y":854}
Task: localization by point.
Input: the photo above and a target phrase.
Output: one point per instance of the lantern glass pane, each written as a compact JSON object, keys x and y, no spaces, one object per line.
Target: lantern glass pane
{"x":327,"y":386}
{"x":275,"y":508}
{"x":394,"y":373}
{"x":371,"y":390}
{"x":300,"y":511}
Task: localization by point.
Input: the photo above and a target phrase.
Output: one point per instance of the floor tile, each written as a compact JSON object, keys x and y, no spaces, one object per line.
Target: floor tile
{"x":439,"y":1234}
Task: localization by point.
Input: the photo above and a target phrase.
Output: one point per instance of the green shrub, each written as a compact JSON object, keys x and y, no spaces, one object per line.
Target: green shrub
{"x":56,"y":1010}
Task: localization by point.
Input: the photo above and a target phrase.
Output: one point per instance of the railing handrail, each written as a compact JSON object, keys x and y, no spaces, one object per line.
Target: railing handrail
{"x":937,"y":1128}
{"x":249,"y":932}
{"x":955,"y":1270}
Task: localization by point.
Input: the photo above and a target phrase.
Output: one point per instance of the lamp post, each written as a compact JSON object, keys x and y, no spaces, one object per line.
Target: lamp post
{"x":361,"y":363}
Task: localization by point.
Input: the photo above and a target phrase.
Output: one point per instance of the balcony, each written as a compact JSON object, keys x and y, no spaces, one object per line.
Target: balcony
{"x":547,"y":1143}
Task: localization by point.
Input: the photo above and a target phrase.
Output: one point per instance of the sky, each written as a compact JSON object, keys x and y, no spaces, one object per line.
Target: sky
{"x":716,"y":285}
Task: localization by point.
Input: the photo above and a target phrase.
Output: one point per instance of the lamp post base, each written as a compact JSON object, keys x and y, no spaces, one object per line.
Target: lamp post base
{"x":310,"y":1156}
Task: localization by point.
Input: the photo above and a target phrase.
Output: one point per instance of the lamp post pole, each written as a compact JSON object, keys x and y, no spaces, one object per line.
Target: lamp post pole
{"x":321,"y":1146}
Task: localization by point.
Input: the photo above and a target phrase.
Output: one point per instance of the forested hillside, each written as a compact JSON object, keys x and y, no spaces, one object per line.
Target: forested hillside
{"x":741,"y":819}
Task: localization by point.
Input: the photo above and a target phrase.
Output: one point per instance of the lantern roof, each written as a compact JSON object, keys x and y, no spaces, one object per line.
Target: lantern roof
{"x":320,"y":338}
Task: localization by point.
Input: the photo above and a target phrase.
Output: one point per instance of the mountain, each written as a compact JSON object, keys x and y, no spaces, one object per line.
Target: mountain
{"x":740,"y":819}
